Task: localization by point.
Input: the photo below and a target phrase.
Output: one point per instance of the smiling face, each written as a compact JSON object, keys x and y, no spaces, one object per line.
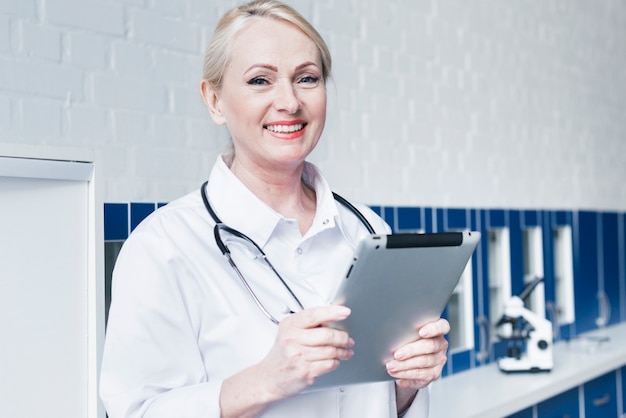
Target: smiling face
{"x":272,"y":98}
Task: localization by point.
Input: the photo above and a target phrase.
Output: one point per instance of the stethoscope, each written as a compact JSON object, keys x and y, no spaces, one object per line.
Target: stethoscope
{"x":220,"y":226}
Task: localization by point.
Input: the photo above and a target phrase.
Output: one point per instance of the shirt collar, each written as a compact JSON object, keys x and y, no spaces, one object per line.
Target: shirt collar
{"x":239,"y":208}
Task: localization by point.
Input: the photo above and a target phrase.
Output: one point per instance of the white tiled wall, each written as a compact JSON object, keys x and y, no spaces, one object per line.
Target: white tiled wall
{"x":456,"y":103}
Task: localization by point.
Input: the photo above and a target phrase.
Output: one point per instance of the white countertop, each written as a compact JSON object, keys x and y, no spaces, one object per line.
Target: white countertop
{"x":485,"y":392}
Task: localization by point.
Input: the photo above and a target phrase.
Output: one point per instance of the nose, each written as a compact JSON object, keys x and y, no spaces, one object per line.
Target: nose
{"x":286,"y":99}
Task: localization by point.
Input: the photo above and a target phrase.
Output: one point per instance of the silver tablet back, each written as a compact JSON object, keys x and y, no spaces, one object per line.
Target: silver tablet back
{"x":395,"y":284}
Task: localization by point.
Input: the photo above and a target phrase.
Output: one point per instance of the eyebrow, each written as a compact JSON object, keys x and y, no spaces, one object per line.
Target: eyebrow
{"x":275,"y":69}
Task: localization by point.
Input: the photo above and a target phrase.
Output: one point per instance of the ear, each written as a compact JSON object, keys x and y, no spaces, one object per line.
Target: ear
{"x":212,"y":101}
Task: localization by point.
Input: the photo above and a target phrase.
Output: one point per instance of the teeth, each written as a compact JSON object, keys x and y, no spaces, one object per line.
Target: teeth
{"x":285,"y":128}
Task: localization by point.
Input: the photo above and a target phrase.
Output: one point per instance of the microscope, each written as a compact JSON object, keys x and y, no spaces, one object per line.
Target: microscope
{"x":524,"y":328}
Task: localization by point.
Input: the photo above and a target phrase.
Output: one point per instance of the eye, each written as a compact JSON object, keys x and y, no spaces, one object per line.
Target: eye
{"x":258,"y":81}
{"x":309,"y":81}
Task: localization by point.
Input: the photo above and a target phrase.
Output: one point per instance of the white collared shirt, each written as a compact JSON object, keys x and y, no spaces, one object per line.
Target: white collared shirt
{"x":181,"y":321}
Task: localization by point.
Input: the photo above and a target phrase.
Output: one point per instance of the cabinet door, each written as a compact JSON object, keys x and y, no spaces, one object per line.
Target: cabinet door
{"x":564,"y":405}
{"x":586,"y":271}
{"x":623,"y":377}
{"x":609,"y":280}
{"x":560,"y":274}
{"x":601,"y":396}
{"x":493,"y":286}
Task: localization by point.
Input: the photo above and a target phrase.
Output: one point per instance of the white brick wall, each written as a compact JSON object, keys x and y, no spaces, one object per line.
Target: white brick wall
{"x":456,"y":103}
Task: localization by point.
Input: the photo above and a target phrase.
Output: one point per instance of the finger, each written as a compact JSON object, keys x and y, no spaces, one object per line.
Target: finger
{"x":307,"y":357}
{"x":437,"y":328}
{"x":322,"y":343}
{"x":423,"y":376}
{"x":421,"y":347}
{"x":327,"y":353}
{"x":416,"y":377}
{"x":315,"y":317}
{"x":318,"y":368}
{"x":422,"y":362}
{"x":325,"y":336}
{"x":413,"y":383}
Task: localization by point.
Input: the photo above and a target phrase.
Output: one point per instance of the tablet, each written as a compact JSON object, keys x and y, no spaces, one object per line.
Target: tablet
{"x":395,"y":284}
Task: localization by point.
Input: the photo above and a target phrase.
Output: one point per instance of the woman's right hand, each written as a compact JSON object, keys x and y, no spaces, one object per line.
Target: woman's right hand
{"x":305,"y":348}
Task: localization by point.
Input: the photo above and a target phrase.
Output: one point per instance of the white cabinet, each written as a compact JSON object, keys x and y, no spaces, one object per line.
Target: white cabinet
{"x":51,"y":310}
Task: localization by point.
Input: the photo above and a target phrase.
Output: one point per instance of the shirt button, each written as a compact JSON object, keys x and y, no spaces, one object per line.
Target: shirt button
{"x":325,"y":222}
{"x":299,"y":250}
{"x":342,"y":390}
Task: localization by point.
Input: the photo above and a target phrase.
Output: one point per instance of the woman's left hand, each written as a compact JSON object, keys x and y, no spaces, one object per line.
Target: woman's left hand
{"x":417,"y":364}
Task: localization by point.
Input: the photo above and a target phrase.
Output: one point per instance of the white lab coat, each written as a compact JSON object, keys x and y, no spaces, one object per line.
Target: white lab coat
{"x":181,"y":322}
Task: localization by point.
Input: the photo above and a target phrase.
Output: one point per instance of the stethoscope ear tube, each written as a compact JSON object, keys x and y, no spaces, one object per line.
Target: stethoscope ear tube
{"x":218,"y":240}
{"x":355,"y":211}
{"x":207,"y":205}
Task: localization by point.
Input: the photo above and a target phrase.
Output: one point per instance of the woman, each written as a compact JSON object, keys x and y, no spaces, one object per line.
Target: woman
{"x":185,"y":337}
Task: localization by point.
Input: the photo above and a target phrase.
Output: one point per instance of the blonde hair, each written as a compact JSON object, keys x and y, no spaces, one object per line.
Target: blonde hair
{"x":218,"y":51}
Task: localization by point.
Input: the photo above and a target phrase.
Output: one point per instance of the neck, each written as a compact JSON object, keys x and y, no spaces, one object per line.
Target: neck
{"x":281,"y":189}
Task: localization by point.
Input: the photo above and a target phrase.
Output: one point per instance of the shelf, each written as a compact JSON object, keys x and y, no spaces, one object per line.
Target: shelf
{"x":486,"y":392}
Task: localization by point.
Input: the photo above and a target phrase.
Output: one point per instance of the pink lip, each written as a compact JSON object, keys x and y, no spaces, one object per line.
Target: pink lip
{"x":286,"y":135}
{"x":286,"y":122}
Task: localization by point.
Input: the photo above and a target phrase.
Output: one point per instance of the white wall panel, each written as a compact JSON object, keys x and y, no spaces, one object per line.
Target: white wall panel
{"x":455,"y":103}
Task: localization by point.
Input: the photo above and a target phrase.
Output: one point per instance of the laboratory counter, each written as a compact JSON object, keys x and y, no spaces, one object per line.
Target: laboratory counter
{"x":485,"y":391}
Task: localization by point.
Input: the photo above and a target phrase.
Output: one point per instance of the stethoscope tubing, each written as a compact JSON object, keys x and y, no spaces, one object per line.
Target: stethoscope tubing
{"x":219,"y":226}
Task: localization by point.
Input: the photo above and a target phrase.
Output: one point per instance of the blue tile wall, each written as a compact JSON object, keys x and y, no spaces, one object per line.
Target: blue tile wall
{"x":548,"y":255}
{"x":517,"y":250}
{"x":599,"y":254}
{"x":138,"y":212}
{"x":409,"y":219}
{"x":116,"y":226}
{"x":496,"y":218}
